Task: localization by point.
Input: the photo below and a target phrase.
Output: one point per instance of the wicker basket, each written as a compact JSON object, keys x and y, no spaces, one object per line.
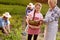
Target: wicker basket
{"x":34,"y":23}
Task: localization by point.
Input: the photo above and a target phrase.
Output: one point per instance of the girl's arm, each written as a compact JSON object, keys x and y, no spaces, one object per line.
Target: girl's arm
{"x":41,"y":22}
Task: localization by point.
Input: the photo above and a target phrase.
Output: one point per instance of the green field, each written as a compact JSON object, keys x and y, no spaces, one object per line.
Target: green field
{"x":15,"y":2}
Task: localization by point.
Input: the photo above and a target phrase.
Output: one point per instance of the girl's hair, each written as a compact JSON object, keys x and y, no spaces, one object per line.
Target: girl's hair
{"x":38,"y":4}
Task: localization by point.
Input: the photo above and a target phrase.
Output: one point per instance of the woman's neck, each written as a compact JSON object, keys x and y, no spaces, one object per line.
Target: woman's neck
{"x":51,"y":8}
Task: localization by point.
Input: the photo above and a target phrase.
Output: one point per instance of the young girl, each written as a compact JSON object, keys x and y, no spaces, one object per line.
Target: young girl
{"x":34,"y":22}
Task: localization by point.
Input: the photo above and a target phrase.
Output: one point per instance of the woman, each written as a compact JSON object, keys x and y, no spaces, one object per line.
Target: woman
{"x":51,"y":20}
{"x":5,"y":23}
{"x":34,"y":21}
{"x":29,"y":8}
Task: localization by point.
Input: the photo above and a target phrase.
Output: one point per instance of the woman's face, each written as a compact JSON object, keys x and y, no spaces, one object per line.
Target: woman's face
{"x":51,"y":4}
{"x":5,"y":18}
{"x":37,"y":8}
{"x":30,"y":7}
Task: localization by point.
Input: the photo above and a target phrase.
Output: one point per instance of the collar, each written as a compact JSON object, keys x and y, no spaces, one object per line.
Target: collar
{"x":54,"y":9}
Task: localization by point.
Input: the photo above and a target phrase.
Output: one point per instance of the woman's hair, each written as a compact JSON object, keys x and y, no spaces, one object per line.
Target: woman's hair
{"x":55,"y":1}
{"x":38,"y":4}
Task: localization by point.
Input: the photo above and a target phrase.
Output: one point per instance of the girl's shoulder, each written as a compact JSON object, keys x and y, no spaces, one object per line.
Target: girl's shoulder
{"x":41,"y":15}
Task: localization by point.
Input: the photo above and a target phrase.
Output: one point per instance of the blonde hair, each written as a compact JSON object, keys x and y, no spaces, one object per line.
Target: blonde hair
{"x":55,"y":1}
{"x":36,"y":4}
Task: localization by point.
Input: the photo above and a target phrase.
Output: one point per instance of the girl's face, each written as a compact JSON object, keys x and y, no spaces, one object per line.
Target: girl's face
{"x":37,"y":8}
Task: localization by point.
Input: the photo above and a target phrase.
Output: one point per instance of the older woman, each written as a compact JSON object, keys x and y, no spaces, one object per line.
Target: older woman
{"x":5,"y":23}
{"x":34,"y":20}
{"x":51,"y":20}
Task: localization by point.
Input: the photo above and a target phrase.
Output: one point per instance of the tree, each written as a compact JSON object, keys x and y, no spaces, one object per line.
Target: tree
{"x":42,"y":1}
{"x":58,"y":3}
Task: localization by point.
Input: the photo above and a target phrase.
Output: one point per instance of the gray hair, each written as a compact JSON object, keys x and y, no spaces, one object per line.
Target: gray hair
{"x":55,"y":1}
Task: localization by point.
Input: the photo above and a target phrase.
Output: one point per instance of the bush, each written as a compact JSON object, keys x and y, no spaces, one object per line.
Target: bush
{"x":58,"y":3}
{"x":42,"y":1}
{"x":13,"y":9}
{"x":15,"y":2}
{"x":44,"y":9}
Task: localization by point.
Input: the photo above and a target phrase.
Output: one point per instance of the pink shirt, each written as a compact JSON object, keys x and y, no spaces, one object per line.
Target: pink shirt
{"x":38,"y":16}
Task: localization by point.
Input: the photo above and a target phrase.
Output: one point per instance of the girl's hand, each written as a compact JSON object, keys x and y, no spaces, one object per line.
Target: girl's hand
{"x":34,"y":27}
{"x":37,"y":27}
{"x":41,"y":22}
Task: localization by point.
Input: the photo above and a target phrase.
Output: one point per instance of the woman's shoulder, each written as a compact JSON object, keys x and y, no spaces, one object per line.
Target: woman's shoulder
{"x":31,"y":13}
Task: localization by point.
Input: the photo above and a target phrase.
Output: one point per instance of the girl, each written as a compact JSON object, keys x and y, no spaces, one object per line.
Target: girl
{"x":29,"y":8}
{"x":34,"y":21}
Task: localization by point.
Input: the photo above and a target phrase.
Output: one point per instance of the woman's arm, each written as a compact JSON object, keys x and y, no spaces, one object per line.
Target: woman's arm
{"x":8,"y":26}
{"x":48,"y":19}
{"x":27,"y":19}
{"x":3,"y":26}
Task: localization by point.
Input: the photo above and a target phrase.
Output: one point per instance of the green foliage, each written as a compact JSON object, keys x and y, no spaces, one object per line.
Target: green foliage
{"x":44,"y":9}
{"x":13,"y":9}
{"x":15,"y":29}
{"x":58,"y":3}
{"x":58,"y":36}
{"x":42,"y":28}
{"x":15,"y":2}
